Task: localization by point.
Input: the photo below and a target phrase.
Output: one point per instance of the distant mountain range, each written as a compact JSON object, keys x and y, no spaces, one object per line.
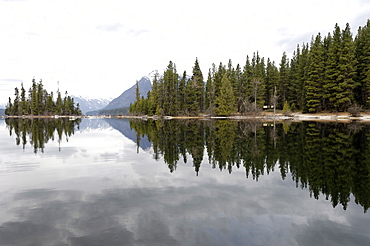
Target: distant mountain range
{"x":2,"y":113}
{"x":90,"y":104}
{"x":129,"y":96}
{"x":120,"y":104}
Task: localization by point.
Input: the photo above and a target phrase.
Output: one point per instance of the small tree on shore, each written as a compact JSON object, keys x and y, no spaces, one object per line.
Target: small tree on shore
{"x":355,"y":110}
{"x":286,"y":109}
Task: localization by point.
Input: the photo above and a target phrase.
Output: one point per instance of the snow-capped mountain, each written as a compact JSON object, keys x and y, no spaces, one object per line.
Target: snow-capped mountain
{"x":95,"y":106}
{"x":90,"y":104}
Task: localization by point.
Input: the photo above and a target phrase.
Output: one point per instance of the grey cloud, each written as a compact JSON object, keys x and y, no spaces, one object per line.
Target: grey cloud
{"x":33,"y":33}
{"x":289,"y":44}
{"x":360,"y":222}
{"x":319,"y":232}
{"x":10,"y":80}
{"x":138,"y":32}
{"x":44,"y":194}
{"x":364,"y":2}
{"x":93,"y":221}
{"x":154,"y":230}
{"x":20,"y":167}
{"x":6,"y":82}
{"x":360,"y":20}
{"x":97,"y":216}
{"x":109,"y":156}
{"x":207,"y":214}
{"x":113,"y":236}
{"x":117,"y":27}
{"x":110,"y":28}
{"x":29,"y":233}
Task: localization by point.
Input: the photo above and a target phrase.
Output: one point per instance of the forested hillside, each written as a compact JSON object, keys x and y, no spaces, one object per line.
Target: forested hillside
{"x":40,"y":102}
{"x":331,"y":73}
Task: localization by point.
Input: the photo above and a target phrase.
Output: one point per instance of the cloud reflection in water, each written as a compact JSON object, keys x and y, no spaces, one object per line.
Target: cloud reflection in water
{"x":104,"y":193}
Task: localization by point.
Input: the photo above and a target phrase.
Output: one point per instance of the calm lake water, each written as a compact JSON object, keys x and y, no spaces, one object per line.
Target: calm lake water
{"x":120,"y":182}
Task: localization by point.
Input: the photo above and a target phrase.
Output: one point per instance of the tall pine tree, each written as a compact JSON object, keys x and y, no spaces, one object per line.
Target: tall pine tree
{"x":225,"y":102}
{"x":272,"y":77}
{"x":362,"y":46}
{"x":210,"y":93}
{"x":283,"y":79}
{"x":195,"y":90}
{"x":340,"y":70}
{"x":170,"y":90}
{"x":316,"y":76}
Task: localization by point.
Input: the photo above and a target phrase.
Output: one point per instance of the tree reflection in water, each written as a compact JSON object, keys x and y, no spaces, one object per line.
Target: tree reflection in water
{"x":329,"y":159}
{"x":39,"y":131}
{"x":332,"y":159}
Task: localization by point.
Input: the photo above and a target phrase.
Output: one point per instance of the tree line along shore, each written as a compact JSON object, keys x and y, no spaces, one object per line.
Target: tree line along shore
{"x":330,"y":74}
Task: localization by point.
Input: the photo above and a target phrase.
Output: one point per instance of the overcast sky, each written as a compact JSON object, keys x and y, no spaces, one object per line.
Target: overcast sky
{"x":100,"y":48}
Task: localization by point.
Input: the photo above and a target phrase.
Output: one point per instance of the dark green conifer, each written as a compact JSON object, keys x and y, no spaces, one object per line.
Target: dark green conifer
{"x":340,"y":70}
{"x":16,"y":103}
{"x":225,"y":102}
{"x":347,"y":68}
{"x":182,"y":94}
{"x":316,"y":76}
{"x":258,"y":81}
{"x":153,"y":98}
{"x":283,"y":79}
{"x":302,"y":73}
{"x":245,"y":82}
{"x":23,"y":102}
{"x":272,"y":77}
{"x":218,"y":75}
{"x":362,"y":47}
{"x":33,"y":98}
{"x":170,"y":90}
{"x":195,"y":91}
{"x":210,"y":93}
{"x":59,"y":104}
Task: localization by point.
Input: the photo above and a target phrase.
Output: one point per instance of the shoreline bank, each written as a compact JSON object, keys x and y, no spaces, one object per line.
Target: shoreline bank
{"x":328,"y":117}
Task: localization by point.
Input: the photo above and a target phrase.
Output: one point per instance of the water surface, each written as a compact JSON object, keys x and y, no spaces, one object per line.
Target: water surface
{"x":116,"y":182}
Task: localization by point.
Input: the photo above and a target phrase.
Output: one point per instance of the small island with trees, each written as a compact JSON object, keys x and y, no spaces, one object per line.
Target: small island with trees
{"x":38,"y":102}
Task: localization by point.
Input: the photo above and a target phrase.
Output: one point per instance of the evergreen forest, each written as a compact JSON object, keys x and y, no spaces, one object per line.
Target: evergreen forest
{"x":331,"y":74}
{"x":40,"y":102}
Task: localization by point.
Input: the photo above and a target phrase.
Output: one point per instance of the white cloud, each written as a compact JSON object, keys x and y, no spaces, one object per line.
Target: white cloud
{"x":100,"y":48}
